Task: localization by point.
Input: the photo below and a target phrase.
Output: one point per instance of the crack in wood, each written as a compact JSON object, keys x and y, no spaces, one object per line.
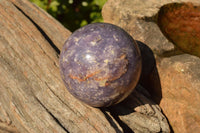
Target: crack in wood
{"x":7,"y":128}
{"x":80,"y":114}
{"x":124,"y":126}
{"x":54,"y":117}
{"x":77,"y":112}
{"x":41,"y":31}
{"x":112,"y":123}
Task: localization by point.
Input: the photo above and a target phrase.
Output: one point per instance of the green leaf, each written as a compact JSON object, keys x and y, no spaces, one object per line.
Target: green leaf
{"x":54,"y":6}
{"x":100,"y":3}
{"x":83,"y":23}
{"x":71,"y":13}
{"x":42,"y":4}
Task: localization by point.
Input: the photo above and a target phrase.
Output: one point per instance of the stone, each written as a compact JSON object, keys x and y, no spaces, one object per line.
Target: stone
{"x":180,"y":80}
{"x":179,"y":22}
{"x":173,"y":80}
{"x":100,"y":64}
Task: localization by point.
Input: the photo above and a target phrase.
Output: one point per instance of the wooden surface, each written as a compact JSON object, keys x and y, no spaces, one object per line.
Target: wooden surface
{"x":33,"y":97}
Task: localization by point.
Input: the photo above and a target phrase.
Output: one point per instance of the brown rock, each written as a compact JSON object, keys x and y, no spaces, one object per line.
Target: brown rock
{"x":179,"y":22}
{"x":176,"y":78}
{"x":180,"y":79}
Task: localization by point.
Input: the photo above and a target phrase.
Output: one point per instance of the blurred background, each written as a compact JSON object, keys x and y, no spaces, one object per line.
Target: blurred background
{"x":73,"y":14}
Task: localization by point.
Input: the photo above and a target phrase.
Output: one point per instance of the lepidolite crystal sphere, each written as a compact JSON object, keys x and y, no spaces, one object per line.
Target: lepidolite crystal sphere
{"x":100,"y":64}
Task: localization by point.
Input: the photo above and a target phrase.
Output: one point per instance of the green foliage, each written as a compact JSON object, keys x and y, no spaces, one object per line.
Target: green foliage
{"x":73,"y":13}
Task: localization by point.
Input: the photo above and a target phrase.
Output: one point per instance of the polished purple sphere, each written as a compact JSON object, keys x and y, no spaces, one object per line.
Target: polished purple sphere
{"x":100,"y":64}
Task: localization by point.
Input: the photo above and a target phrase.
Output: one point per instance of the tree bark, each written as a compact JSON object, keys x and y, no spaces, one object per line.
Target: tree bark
{"x":33,"y":97}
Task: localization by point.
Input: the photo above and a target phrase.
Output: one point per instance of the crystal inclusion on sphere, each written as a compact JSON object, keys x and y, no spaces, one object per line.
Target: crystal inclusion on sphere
{"x":100,"y":64}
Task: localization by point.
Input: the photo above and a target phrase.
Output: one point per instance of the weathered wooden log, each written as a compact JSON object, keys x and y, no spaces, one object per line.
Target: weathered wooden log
{"x":33,"y":97}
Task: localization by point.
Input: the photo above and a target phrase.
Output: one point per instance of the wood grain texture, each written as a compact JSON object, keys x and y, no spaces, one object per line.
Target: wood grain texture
{"x":51,"y":27}
{"x":32,"y":94}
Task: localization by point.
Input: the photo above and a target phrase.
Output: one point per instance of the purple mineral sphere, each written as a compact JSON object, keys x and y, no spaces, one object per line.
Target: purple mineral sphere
{"x":100,"y":64}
